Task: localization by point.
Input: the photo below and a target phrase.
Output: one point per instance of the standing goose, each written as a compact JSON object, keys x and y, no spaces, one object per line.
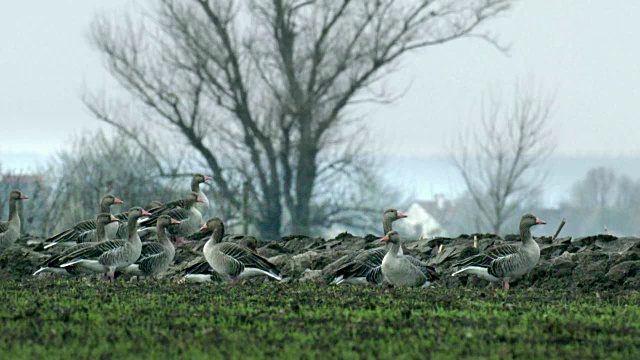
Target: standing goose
{"x":111,"y":255}
{"x":85,"y":231}
{"x":201,"y":271}
{"x":189,"y":217}
{"x":10,"y":230}
{"x":155,"y":257}
{"x":195,"y":186}
{"x":398,"y":270}
{"x":232,"y":261}
{"x":508,"y":261}
{"x":53,"y":264}
{"x":364,"y":268}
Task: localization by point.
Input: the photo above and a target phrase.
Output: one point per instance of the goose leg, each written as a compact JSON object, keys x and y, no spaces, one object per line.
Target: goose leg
{"x":182,"y":241}
{"x":505,"y":285}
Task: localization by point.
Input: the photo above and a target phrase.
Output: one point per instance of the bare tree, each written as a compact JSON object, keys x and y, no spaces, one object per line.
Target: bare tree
{"x":260,"y":90}
{"x":97,"y":165}
{"x":499,"y":162}
{"x":597,"y":190}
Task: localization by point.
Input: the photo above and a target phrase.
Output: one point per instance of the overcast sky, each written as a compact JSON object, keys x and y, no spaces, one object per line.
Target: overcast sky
{"x":588,"y":51}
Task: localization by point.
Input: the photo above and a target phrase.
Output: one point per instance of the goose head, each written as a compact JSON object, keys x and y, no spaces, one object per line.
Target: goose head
{"x":193,"y":198}
{"x":136,"y":212}
{"x":17,"y":195}
{"x":109,"y":200}
{"x":529,"y":220}
{"x":213,"y":224}
{"x":199,"y":179}
{"x":216,"y":226}
{"x":394,"y":214}
{"x":105,"y":219}
{"x":166,"y":220}
{"x":391,"y":237}
{"x":251,"y":243}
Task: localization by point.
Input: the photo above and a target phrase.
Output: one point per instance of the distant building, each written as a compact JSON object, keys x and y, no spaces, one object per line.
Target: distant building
{"x":425,"y":219}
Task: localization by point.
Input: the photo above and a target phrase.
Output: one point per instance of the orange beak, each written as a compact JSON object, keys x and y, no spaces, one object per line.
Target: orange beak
{"x":23,"y":197}
{"x":204,"y":227}
{"x":207,"y":179}
{"x":539,"y":221}
{"x":114,"y":219}
{"x":385,"y":238}
{"x":402,"y":215}
{"x":200,"y":200}
{"x":117,"y":201}
{"x":145,"y":212}
{"x":174,"y":221}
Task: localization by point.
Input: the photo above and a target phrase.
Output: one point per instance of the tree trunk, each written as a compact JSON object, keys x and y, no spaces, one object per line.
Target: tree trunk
{"x":305,"y":180}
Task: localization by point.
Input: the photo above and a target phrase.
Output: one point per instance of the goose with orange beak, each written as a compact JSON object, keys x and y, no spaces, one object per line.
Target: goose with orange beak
{"x":108,"y":256}
{"x":397,"y":269}
{"x":506,"y":262}
{"x":156,"y":256}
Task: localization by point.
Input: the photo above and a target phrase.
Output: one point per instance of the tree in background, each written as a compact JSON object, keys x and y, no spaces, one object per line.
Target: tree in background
{"x":97,"y":165}
{"x":603,"y":198}
{"x":263,"y":92}
{"x":499,"y":161}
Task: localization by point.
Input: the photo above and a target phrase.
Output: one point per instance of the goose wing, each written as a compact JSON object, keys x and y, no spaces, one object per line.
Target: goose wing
{"x":237,"y":257}
{"x":485,"y":260}
{"x":152,"y":253}
{"x":177,"y":213}
{"x":365,"y":264}
{"x":81,"y":232}
{"x":94,"y":250}
{"x":429,"y":271}
{"x":201,"y":267}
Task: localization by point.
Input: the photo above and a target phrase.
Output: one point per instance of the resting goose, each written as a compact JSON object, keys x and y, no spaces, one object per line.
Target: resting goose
{"x":111,"y":255}
{"x":399,"y":270}
{"x":189,"y":217}
{"x":52,"y":265}
{"x":364,"y":268}
{"x":85,"y":231}
{"x":508,"y":261}
{"x":155,"y":257}
{"x":201,"y":271}
{"x":10,"y":230}
{"x":232,"y":261}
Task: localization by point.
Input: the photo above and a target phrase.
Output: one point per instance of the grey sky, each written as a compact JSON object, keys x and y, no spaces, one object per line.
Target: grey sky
{"x":586,"y":50}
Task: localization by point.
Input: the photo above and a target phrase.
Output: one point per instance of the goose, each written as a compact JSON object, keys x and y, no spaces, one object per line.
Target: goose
{"x":10,"y":230}
{"x":155,"y":257}
{"x":111,"y":255}
{"x":232,"y":261}
{"x":398,"y":270}
{"x":52,"y":264}
{"x":364,"y":268}
{"x":195,"y":186}
{"x":201,"y":271}
{"x":186,"y":213}
{"x":508,"y":261}
{"x":85,"y":231}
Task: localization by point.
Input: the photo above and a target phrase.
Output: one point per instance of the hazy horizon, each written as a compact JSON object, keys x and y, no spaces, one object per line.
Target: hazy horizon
{"x":583,"y":51}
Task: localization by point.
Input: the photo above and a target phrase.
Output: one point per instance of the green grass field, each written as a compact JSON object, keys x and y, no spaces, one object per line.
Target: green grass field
{"x":64,"y":319}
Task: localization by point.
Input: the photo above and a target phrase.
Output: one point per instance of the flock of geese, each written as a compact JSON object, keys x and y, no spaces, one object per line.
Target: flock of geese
{"x":112,"y":243}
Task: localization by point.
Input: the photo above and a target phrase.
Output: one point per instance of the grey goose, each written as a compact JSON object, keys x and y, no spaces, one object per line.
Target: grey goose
{"x":506,"y":262}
